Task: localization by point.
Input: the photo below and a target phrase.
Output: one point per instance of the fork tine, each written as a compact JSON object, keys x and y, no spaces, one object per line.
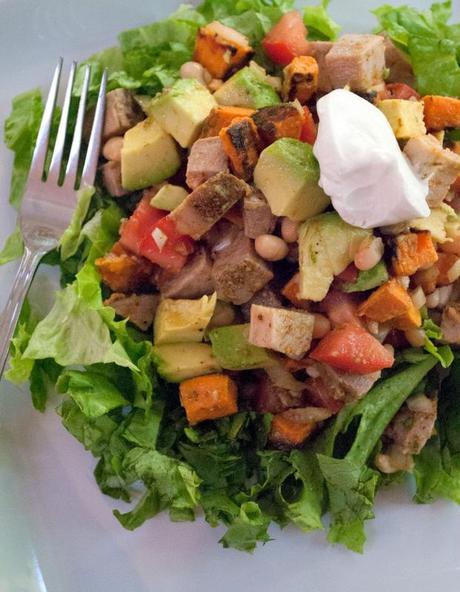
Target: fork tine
{"x":94,"y":145}
{"x":41,"y":145}
{"x":74,"y":155}
{"x":54,"y":172}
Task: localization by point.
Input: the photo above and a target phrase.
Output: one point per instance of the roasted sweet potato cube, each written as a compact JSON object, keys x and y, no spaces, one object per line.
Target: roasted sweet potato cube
{"x":300,"y":79}
{"x":391,"y":303}
{"x":441,"y":112}
{"x":241,"y":144}
{"x":124,"y":272}
{"x":414,"y":251}
{"x":221,"y":117}
{"x":221,"y":50}
{"x":280,"y":121}
{"x":208,"y":397}
{"x":287,"y":433}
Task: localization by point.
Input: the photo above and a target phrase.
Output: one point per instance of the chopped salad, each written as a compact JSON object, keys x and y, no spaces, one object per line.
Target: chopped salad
{"x":259,"y":311}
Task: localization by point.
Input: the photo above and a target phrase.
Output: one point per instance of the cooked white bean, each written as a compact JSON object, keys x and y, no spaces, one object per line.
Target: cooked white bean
{"x":432,"y":300}
{"x":418,"y":297}
{"x":321,"y":327}
{"x":444,"y":295}
{"x":289,"y":230}
{"x":404,"y":281}
{"x":372,"y":327}
{"x":270,"y":247}
{"x":454,"y":272}
{"x":416,"y":337}
{"x":112,"y":149}
{"x":369,"y":253}
{"x":193,"y":70}
{"x":215,"y":84}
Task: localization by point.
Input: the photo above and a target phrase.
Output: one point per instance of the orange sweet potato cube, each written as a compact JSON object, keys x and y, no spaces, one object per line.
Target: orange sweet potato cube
{"x":414,"y":251}
{"x":221,"y":117}
{"x":208,"y":397}
{"x":286,"y":432}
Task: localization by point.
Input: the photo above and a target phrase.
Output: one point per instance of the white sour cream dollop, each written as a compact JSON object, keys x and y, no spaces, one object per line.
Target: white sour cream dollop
{"x":363,"y":170}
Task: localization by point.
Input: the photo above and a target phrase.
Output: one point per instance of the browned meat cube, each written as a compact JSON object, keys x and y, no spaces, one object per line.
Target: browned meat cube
{"x":111,"y":177}
{"x":440,"y":166}
{"x":280,"y":121}
{"x":207,"y":158}
{"x":238,"y":272}
{"x":266,"y":297}
{"x":138,"y":308}
{"x":398,"y":64}
{"x":413,"y":425}
{"x":345,"y":386}
{"x":357,"y":61}
{"x":207,"y":204}
{"x":300,"y":79}
{"x":193,"y":281}
{"x":450,"y":323}
{"x":122,"y":112}
{"x":257,"y":215}
{"x":269,"y":398}
{"x":319,"y":50}
{"x":241,"y":144}
{"x":124,"y":272}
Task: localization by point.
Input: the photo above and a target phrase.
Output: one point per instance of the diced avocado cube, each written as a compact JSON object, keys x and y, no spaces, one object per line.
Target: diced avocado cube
{"x":179,"y":361}
{"x":327,"y":245}
{"x":368,"y":280}
{"x":405,"y":117}
{"x":233,"y":351}
{"x":247,"y":88}
{"x":180,"y":321}
{"x":287,"y":173}
{"x":182,"y":109}
{"x":169,"y":197}
{"x":149,"y":156}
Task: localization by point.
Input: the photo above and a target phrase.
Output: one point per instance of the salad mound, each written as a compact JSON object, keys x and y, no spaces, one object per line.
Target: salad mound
{"x":259,"y":310}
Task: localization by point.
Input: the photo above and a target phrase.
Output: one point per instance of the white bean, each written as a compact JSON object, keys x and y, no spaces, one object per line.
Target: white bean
{"x":444,"y":295}
{"x":432,"y":300}
{"x":372,"y":327}
{"x":289,"y":230}
{"x":112,"y":149}
{"x":215,"y":84}
{"x":270,"y":247}
{"x":404,"y":280}
{"x":321,"y":327}
{"x":418,"y":297}
{"x":416,"y":337}
{"x":369,"y":253}
{"x":193,"y":70}
{"x":454,"y":272}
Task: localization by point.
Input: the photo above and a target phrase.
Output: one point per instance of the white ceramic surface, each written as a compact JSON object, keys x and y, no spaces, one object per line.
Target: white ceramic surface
{"x":57,"y":533}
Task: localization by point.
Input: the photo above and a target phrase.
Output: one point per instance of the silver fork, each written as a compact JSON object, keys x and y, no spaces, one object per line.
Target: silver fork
{"x":48,"y":205}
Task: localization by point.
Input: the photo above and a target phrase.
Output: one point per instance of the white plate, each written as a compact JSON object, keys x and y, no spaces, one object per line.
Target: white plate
{"x":57,"y":532}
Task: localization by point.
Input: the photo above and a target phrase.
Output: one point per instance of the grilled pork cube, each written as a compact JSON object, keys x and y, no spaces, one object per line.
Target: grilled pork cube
{"x":269,"y":398}
{"x":122,"y":112}
{"x":398,"y":64}
{"x":450,"y":323}
{"x":280,"y":121}
{"x":319,"y":50}
{"x":241,"y":144}
{"x":300,"y":79}
{"x":122,"y":271}
{"x":287,"y":331}
{"x":266,"y":297}
{"x":207,"y":204}
{"x":221,"y":50}
{"x":345,"y":386}
{"x":238,"y":272}
{"x":438,"y":165}
{"x":111,"y":177}
{"x":357,"y":61}
{"x":138,"y":308}
{"x":413,"y":425}
{"x":257,"y":215}
{"x":193,"y":281}
{"x":207,"y":158}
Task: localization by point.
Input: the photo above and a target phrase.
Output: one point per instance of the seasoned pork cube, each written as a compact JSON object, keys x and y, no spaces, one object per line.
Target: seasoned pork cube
{"x":280,"y":121}
{"x":287,"y":331}
{"x":207,"y":158}
{"x":345,"y":386}
{"x":193,"y":281}
{"x":450,"y":324}
{"x":438,"y":165}
{"x":138,"y":308}
{"x":413,"y":425}
{"x":208,"y":204}
{"x":241,"y":144}
{"x":257,"y":215}
{"x":238,"y":272}
{"x":266,"y":297}
{"x":319,"y":50}
{"x":398,"y":64}
{"x":357,"y":61}
{"x":269,"y":398}
{"x":122,"y":112}
{"x":300,"y":79}
{"x":111,"y":177}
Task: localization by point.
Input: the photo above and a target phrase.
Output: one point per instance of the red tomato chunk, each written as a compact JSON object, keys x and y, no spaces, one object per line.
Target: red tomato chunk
{"x":287,"y":39}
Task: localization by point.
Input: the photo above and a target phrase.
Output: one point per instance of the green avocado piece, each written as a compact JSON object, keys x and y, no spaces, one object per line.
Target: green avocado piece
{"x":182,"y":109}
{"x":149,"y":155}
{"x":247,"y":88}
{"x":169,"y":197}
{"x":179,"y":361}
{"x":233,"y":351}
{"x":368,"y":280}
{"x":180,"y":321}
{"x":287,"y":173}
{"x":327,"y":245}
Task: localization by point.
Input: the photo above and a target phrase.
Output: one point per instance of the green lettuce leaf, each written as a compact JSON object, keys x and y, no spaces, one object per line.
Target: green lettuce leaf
{"x":13,"y":247}
{"x":319,"y":24}
{"x":73,"y":237}
{"x":443,"y":353}
{"x":248,"y":528}
{"x":427,"y":38}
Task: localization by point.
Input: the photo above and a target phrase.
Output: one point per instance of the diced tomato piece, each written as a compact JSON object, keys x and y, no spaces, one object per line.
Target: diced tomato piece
{"x":319,"y":395}
{"x":399,"y":90}
{"x":168,"y":249}
{"x":350,"y":274}
{"x":341,"y":308}
{"x":287,"y":39}
{"x":309,"y":131}
{"x":352,"y":349}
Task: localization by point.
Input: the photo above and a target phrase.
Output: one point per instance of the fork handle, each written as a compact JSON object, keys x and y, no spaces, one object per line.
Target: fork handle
{"x":29,"y":262}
